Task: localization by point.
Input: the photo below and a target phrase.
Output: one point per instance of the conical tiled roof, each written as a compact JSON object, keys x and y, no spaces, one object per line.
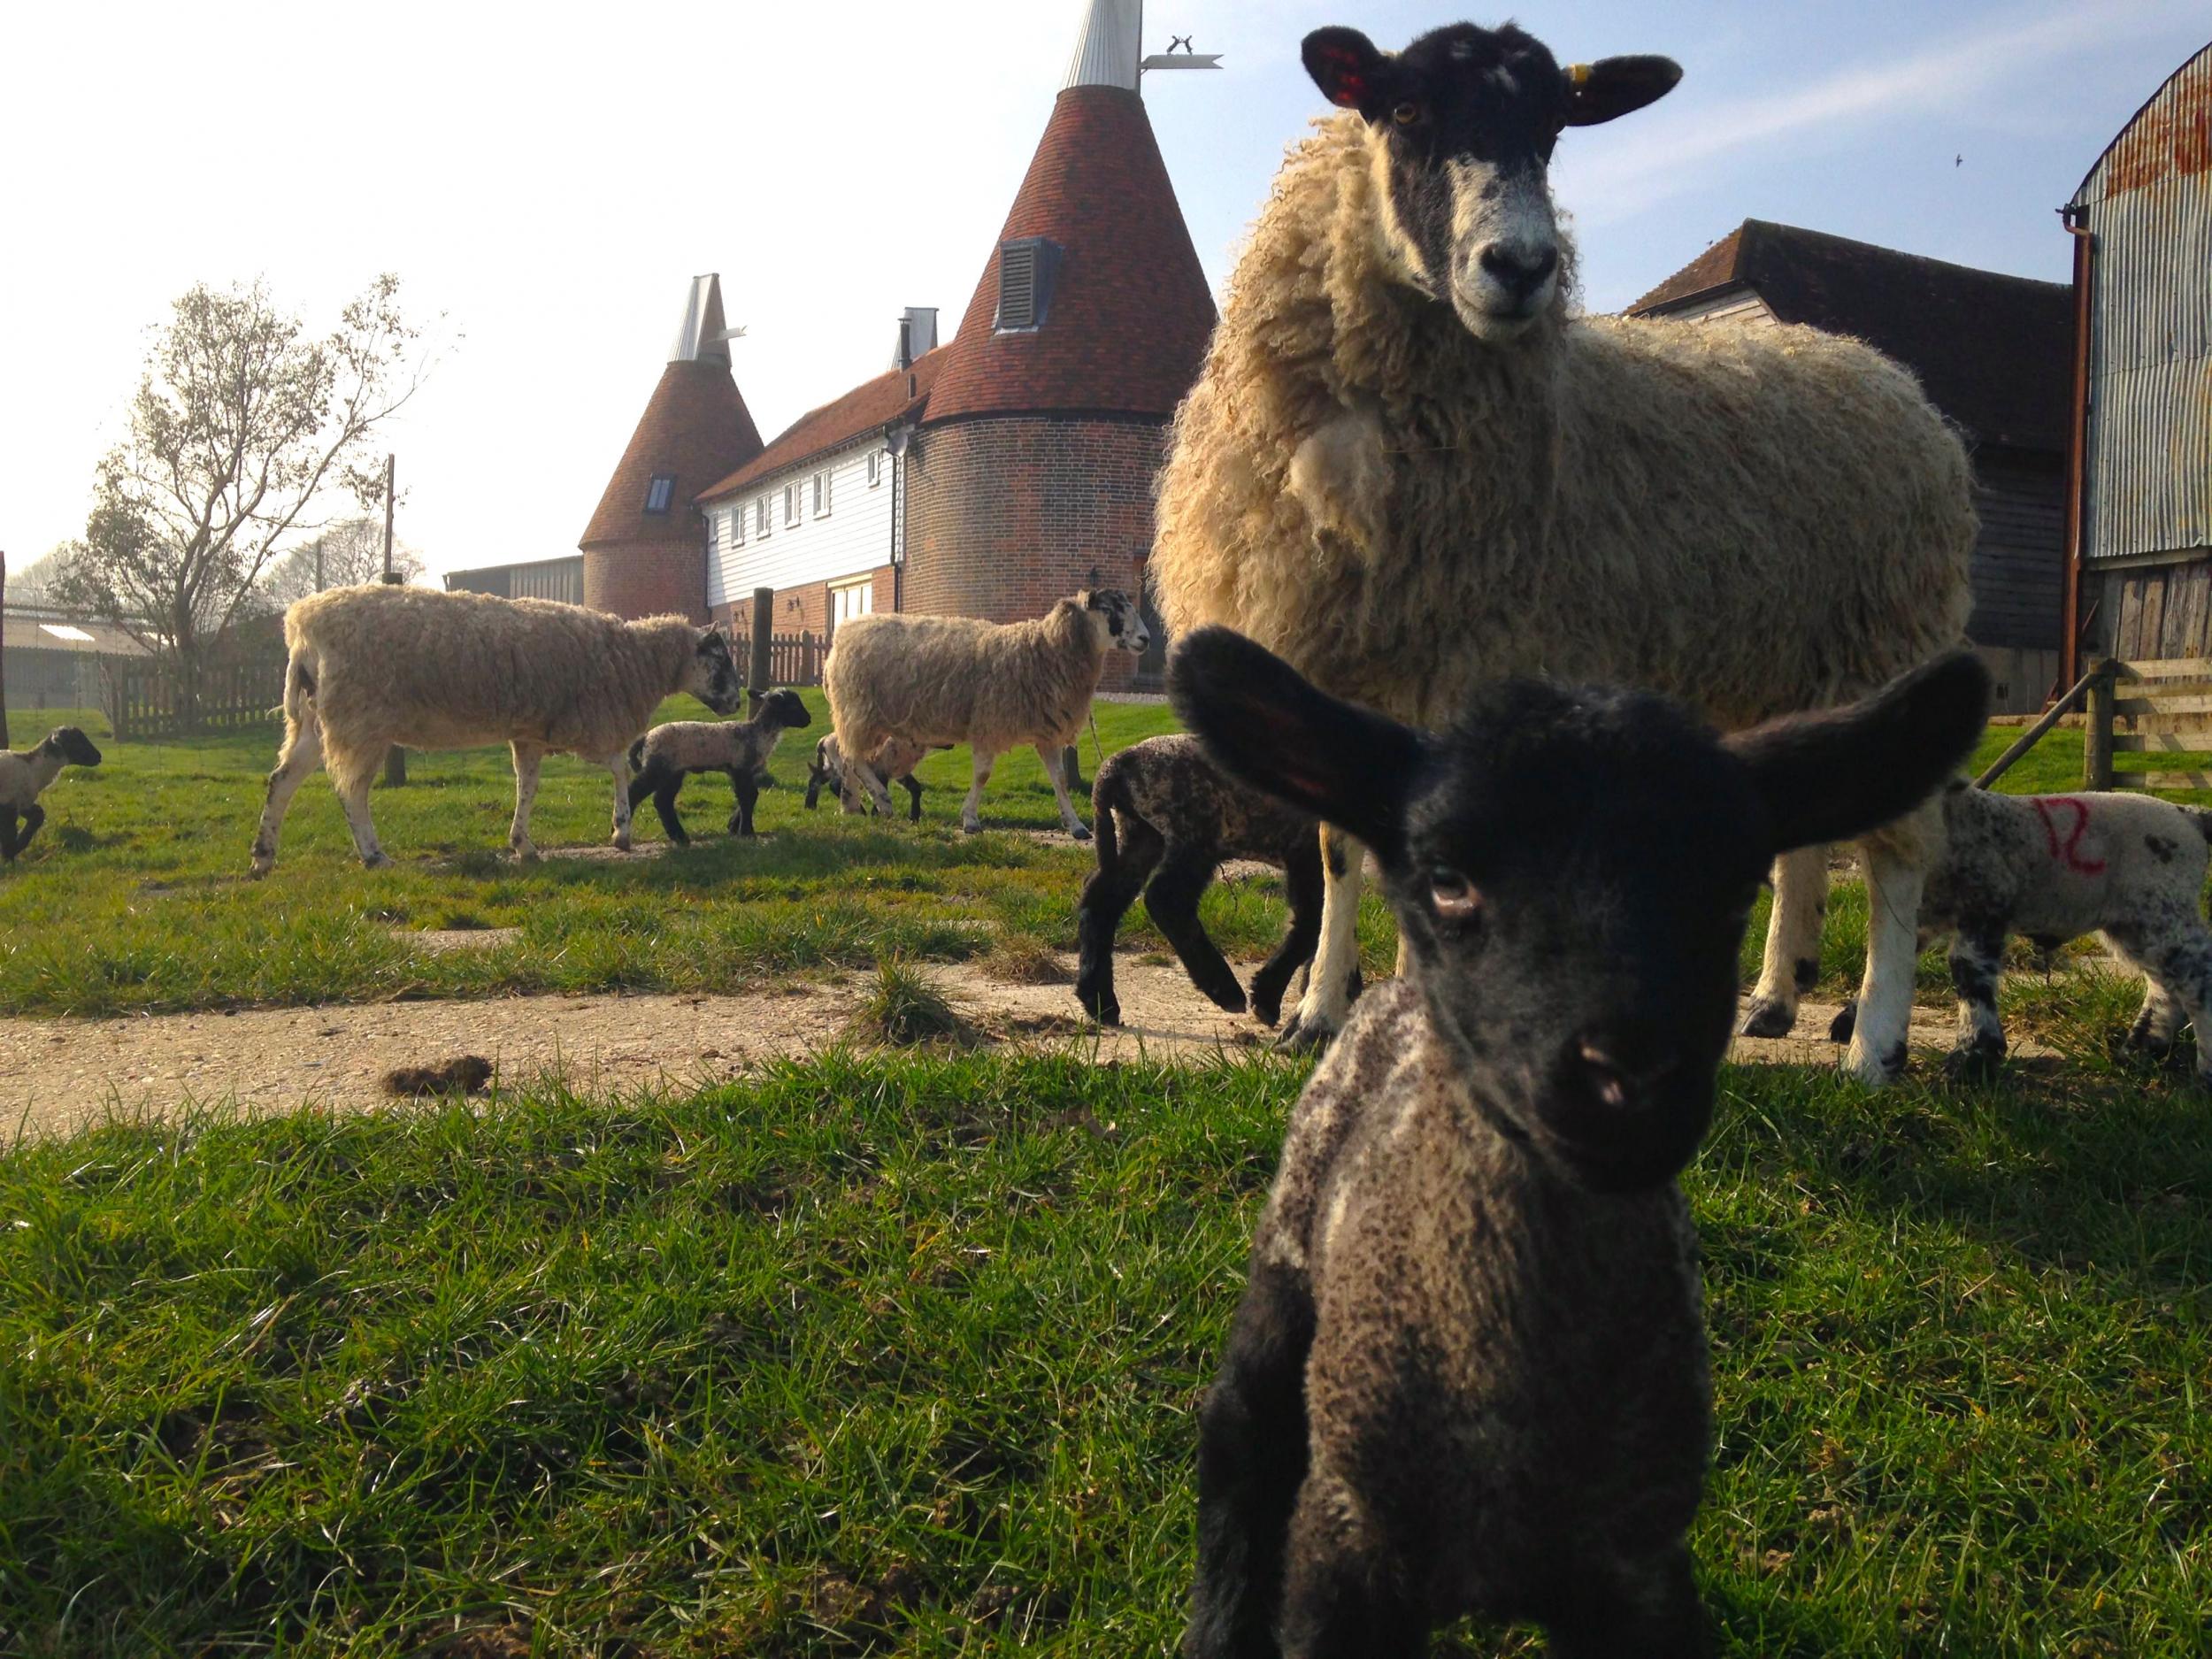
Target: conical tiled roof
{"x":695,"y":429}
{"x":1130,"y":312}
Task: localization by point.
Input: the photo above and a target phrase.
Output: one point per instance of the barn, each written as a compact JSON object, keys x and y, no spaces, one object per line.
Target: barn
{"x":2140,"y":519}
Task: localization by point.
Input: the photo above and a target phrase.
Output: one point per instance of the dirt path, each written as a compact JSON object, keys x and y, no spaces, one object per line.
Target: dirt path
{"x":57,"y":1074}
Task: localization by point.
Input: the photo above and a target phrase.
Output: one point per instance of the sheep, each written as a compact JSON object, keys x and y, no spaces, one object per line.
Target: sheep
{"x":372,"y":666}
{"x":951,"y":679}
{"x":1467,"y":1373}
{"x":894,"y":763}
{"x":1166,"y":818}
{"x":24,"y":778}
{"x":2055,"y":867}
{"x":668,"y":754}
{"x":1409,"y":468}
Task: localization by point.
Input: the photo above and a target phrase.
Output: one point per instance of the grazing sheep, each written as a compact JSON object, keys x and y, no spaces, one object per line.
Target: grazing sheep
{"x":1469,"y":1369}
{"x":992,"y":686}
{"x":671,"y":752}
{"x":24,"y":778}
{"x":1409,"y":468}
{"x":1166,"y":818}
{"x":373,"y":666}
{"x":2055,"y":867}
{"x":894,"y":763}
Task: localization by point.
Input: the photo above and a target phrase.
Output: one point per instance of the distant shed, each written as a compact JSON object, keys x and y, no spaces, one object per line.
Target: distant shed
{"x":1991,"y":351}
{"x":53,"y":660}
{"x":561,"y":578}
{"x":2143,"y":275}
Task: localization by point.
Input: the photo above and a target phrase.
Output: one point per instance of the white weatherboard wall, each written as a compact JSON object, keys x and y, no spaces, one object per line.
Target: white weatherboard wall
{"x":855,"y":535}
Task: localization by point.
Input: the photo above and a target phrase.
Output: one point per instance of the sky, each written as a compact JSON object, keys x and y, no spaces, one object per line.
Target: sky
{"x":546,"y":181}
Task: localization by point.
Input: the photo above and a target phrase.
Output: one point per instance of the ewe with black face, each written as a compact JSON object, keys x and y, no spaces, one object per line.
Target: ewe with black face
{"x":1468,"y":1373}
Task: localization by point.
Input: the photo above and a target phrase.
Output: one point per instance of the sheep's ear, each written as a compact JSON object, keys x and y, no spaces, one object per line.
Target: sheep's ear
{"x":1829,"y":777}
{"x":1347,"y":67}
{"x":1613,"y":87}
{"x":1263,"y":722}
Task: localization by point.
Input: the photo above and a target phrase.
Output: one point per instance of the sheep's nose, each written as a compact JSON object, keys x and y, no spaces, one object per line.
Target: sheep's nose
{"x":1620,"y":1069}
{"x":1518,"y":271}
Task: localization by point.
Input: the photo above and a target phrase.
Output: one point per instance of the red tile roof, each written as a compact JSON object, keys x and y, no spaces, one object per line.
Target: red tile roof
{"x":870,"y":406}
{"x":697,"y":428}
{"x":1130,"y":312}
{"x":1993,"y":352}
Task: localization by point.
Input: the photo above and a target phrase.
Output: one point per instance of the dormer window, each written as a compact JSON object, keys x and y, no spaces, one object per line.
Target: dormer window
{"x":1027,"y":267}
{"x":660,"y":492}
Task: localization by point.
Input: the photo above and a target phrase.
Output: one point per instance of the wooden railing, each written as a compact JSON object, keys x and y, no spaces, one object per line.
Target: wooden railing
{"x":143,"y":702}
{"x":2154,"y":707}
{"x":795,"y":659}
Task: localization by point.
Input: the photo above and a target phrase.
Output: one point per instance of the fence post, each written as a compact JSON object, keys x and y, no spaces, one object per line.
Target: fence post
{"x":4,"y":664}
{"x":2096,"y":746}
{"x":762,"y":668}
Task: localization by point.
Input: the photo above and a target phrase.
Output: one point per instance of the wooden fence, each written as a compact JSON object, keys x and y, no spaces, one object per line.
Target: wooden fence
{"x":142,"y":701}
{"x":795,"y":659}
{"x":2153,"y":708}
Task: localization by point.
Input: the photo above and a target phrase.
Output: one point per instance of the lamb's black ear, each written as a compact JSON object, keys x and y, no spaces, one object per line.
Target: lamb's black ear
{"x":1613,"y":87}
{"x":1345,"y":64}
{"x":1262,"y":721}
{"x":1829,"y":777}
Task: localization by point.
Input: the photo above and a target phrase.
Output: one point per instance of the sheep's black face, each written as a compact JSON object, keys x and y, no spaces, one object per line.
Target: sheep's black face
{"x":715,"y":680}
{"x":1124,"y":622}
{"x":72,"y":746}
{"x":785,"y":708}
{"x":1462,"y":123}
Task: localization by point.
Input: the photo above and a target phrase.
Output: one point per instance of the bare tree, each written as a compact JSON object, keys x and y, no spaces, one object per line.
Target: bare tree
{"x":350,"y":551}
{"x":39,"y":582}
{"x":241,"y":421}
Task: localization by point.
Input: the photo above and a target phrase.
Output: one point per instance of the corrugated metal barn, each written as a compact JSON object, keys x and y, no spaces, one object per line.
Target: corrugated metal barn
{"x":561,"y":578}
{"x":2143,"y":276}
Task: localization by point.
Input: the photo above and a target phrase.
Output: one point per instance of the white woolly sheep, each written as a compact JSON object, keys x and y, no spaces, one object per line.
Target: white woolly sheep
{"x":1167,"y":817}
{"x":373,"y":666}
{"x":1469,"y":1371}
{"x":2056,"y":867}
{"x":24,"y":778}
{"x":894,"y":763}
{"x":1409,"y":468}
{"x":992,"y":686}
{"x":672,"y":752}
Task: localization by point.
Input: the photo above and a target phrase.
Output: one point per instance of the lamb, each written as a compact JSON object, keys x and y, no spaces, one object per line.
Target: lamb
{"x":24,"y":778}
{"x":992,"y":686}
{"x":1166,"y":818}
{"x":2055,"y":867}
{"x":668,"y":754}
{"x":894,"y":763}
{"x":1407,"y":467}
{"x":1469,"y":1369}
{"x":372,"y":666}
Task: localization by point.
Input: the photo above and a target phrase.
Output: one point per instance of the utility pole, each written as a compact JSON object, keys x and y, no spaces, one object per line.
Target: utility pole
{"x":4,"y":654}
{"x":395,"y":757}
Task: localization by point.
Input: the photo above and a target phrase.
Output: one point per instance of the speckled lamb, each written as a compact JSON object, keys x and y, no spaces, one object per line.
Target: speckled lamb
{"x":893,"y":762}
{"x":24,"y":778}
{"x":1166,"y":817}
{"x":1469,"y":1369}
{"x":677,"y":750}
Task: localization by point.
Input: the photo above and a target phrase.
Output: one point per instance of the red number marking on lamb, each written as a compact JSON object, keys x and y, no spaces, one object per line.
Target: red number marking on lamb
{"x":2069,"y":853}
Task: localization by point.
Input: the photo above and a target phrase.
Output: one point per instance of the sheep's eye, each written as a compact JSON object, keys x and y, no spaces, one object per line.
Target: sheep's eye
{"x":1452,"y":896}
{"x":1406,"y":114}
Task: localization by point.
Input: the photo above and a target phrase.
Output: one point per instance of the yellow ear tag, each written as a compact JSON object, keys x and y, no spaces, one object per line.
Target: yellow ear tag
{"x":1578,"y":75}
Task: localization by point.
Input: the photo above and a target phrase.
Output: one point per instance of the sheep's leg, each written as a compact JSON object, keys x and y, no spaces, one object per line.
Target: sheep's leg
{"x":1791,"y":964}
{"x":1321,"y":1013}
{"x":1302,"y":884}
{"x":970,"y":810}
{"x":1649,"y":1609}
{"x":748,"y":793}
{"x":1977,"y":957}
{"x":9,"y":845}
{"x":2158,"y":1022}
{"x":528,"y":756}
{"x":303,"y":752}
{"x":1251,"y":1461}
{"x":1129,"y":852}
{"x":1348,"y":1590}
{"x":2181,"y":963}
{"x":665,"y":792}
{"x":914,"y":798}
{"x":1172,"y":900}
{"x":1052,"y":756}
{"x":352,"y":774}
{"x":861,"y":782}
{"x":34,"y":815}
{"x":1896,"y":874}
{"x":618,"y":766}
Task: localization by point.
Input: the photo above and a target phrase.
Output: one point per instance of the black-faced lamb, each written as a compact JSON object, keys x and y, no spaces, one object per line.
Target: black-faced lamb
{"x":677,"y":750}
{"x":992,"y":686}
{"x":372,"y":666}
{"x":2053,"y":868}
{"x":24,"y":778}
{"x":1469,"y":1369}
{"x":1166,"y":818}
{"x":1409,"y":467}
{"x":894,"y":763}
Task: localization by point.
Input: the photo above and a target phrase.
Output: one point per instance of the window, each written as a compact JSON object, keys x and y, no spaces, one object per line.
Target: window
{"x":875,"y":468}
{"x":760,"y":518}
{"x":1026,"y":267}
{"x":852,"y":599}
{"x":660,"y":492}
{"x":737,"y":526}
{"x":791,"y":502}
{"x":821,"y":495}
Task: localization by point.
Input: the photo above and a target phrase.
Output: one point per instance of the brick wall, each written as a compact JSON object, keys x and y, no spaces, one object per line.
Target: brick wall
{"x":649,"y":578}
{"x":1005,"y":515}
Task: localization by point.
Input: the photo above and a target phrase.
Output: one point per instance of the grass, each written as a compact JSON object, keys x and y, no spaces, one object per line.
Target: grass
{"x":903,"y":1354}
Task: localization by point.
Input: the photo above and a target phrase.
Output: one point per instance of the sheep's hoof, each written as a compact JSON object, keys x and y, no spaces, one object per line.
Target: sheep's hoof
{"x":1878,"y":1070}
{"x":1080,"y":832}
{"x":522,"y":852}
{"x":260,"y":868}
{"x":622,"y":841}
{"x":969,"y":828}
{"x":377,"y":861}
{"x":1304,"y":1035}
{"x":1977,"y":1063}
{"x":1844,"y":1023}
{"x":1769,"y":1017}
